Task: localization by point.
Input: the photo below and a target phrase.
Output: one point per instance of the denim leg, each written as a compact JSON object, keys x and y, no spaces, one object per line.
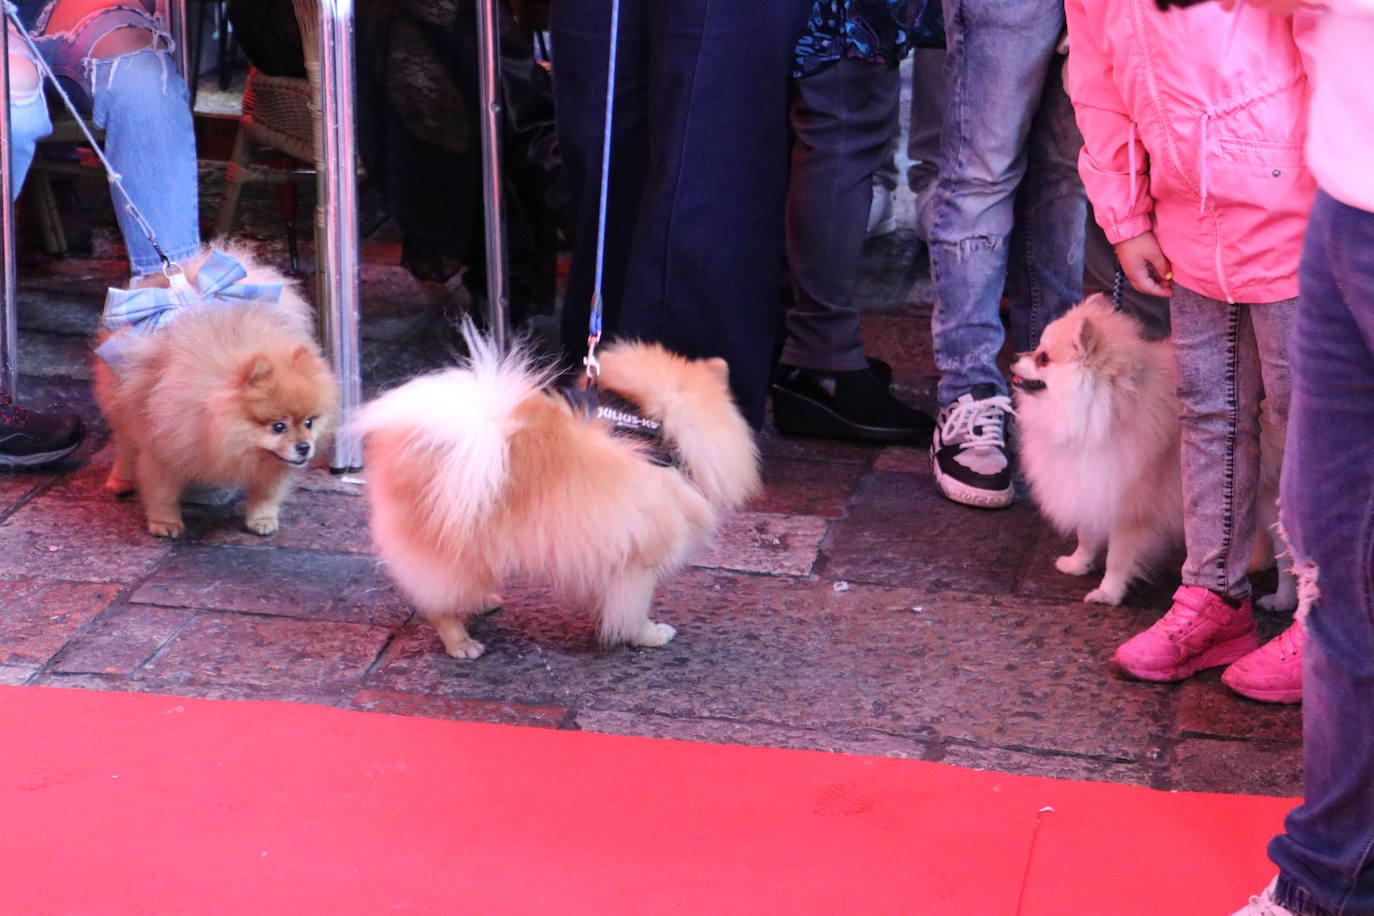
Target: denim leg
{"x":1219,"y":394}
{"x":150,"y":139}
{"x":999,"y":53}
{"x":1326,"y":855}
{"x":707,"y":256}
{"x":29,"y":123}
{"x":581,"y":40}
{"x":1045,"y":273}
{"x":841,"y":117}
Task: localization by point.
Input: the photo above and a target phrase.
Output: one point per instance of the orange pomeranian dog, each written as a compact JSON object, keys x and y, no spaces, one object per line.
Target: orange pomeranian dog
{"x":221,"y":394}
{"x":480,"y":473}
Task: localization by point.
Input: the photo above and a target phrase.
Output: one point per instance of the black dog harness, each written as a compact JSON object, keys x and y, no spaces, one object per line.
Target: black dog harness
{"x":624,"y":419}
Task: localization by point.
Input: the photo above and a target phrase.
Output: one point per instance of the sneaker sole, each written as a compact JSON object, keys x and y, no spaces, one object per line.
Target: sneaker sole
{"x":36,"y":459}
{"x":960,"y":492}
{"x":1218,"y":655}
{"x":1269,"y":695}
{"x":795,"y":415}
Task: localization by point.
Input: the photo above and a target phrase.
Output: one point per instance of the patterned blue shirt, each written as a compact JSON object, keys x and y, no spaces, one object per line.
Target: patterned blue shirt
{"x":874,"y":30}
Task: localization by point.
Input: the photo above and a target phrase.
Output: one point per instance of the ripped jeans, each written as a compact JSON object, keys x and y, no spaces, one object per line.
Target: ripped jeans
{"x":1007,"y":118}
{"x":1326,"y":855}
{"x":141,"y":103}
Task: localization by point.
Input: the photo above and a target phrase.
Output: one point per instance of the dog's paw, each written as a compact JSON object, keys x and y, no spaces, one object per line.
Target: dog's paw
{"x":1071,"y":565}
{"x":165,"y":529}
{"x":467,"y":648}
{"x":262,"y":524}
{"x":119,"y":486}
{"x":1282,"y":600}
{"x":1102,"y":595}
{"x":654,"y":634}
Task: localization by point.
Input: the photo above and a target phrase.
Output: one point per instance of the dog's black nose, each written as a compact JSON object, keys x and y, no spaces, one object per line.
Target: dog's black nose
{"x":302,"y":448}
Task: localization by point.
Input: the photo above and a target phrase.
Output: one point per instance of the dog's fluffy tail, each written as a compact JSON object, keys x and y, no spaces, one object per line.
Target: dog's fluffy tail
{"x":458,"y":422}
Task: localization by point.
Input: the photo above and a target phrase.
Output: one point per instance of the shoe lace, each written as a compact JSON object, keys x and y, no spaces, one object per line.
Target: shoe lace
{"x":1289,"y":642}
{"x":1178,"y":621}
{"x":977,"y":423}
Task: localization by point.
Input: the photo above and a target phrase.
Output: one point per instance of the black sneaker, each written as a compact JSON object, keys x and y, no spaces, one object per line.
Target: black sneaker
{"x":29,"y":439}
{"x":969,"y":453}
{"x":845,"y":405}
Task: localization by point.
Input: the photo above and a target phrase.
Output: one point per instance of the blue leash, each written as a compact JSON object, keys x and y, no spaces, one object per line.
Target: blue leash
{"x":594,"y":322}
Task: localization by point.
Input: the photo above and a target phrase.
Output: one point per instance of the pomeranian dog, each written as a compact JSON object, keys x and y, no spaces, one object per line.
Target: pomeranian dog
{"x":224,"y":394}
{"x":1098,"y":411}
{"x":481,"y":473}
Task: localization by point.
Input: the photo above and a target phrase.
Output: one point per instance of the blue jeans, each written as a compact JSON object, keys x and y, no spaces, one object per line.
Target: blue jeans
{"x":1232,"y":363}
{"x":1326,"y":855}
{"x":1004,"y":113}
{"x":143,"y":106}
{"x":699,"y":152}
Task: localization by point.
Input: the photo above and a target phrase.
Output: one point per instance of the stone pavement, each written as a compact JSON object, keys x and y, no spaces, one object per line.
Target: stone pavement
{"x":849,"y":609}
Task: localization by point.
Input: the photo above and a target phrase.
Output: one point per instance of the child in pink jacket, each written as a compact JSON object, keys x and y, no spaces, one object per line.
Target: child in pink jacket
{"x":1193,"y":124}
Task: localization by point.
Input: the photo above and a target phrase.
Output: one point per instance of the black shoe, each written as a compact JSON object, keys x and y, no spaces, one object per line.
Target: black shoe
{"x":29,"y":439}
{"x":969,"y":454}
{"x":845,"y":405}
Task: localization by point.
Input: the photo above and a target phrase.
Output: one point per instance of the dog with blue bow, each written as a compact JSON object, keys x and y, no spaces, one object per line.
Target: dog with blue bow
{"x":212,"y":375}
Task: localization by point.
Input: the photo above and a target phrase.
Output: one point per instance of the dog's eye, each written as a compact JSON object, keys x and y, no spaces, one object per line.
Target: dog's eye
{"x":1042,"y":358}
{"x":279,"y":427}
{"x":309,"y":422}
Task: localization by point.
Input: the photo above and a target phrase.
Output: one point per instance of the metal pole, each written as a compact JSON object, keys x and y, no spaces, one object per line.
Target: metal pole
{"x":336,"y":222}
{"x":9,"y":320}
{"x":498,"y":299}
{"x":179,"y":26}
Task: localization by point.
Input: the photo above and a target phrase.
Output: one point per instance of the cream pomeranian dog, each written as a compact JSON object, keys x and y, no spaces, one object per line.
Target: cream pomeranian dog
{"x":1098,"y":412}
{"x":231,"y":393}
{"x":482,"y":472}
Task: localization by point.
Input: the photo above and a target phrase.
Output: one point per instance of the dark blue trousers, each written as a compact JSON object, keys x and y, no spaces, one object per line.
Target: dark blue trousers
{"x":694,"y":228}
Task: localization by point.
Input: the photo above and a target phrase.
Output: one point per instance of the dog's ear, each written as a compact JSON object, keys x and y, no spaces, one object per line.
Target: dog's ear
{"x":305,"y":359}
{"x":1086,"y":341}
{"x":719,"y":367}
{"x":256,"y":371}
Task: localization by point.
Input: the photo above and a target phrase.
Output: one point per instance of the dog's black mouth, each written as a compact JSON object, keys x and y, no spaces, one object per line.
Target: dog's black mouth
{"x":1027,"y":384}
{"x":295,"y":463}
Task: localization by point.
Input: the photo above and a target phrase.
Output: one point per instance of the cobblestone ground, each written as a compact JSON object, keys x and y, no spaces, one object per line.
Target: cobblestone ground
{"x":850,"y":609}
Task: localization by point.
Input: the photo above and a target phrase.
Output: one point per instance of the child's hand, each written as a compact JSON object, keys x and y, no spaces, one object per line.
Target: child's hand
{"x":1145,"y":266}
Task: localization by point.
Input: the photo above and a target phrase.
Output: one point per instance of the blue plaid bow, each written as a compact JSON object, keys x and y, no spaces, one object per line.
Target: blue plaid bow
{"x":144,"y":310}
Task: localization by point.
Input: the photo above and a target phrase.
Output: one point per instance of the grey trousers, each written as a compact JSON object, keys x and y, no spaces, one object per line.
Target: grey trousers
{"x":842,"y":119}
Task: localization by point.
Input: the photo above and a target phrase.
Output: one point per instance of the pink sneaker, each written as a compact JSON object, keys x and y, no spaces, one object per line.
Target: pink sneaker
{"x":1200,"y":631}
{"x":1273,"y":672}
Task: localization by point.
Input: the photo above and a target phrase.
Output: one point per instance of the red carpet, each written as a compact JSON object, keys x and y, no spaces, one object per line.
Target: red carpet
{"x":114,"y":803}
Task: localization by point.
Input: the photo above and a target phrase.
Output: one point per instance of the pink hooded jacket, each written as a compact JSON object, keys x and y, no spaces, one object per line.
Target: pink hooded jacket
{"x":1193,"y":125}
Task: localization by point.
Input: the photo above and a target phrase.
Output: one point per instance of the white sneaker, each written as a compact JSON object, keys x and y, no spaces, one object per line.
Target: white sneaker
{"x":969,"y":453}
{"x":881,"y":222}
{"x":1264,"y":904}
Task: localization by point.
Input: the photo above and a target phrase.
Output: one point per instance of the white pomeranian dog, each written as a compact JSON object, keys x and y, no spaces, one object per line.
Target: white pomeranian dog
{"x":1098,"y":412}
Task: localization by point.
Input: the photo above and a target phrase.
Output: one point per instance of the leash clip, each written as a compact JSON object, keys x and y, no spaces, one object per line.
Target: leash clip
{"x":591,"y":362}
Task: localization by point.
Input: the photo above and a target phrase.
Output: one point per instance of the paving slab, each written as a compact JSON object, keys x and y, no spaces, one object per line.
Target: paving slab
{"x":409,"y":704}
{"x":14,"y":675}
{"x":899,"y":530}
{"x":800,"y":487}
{"x":1254,"y":767}
{"x":1055,"y":766}
{"x":757,"y":734}
{"x":37,"y":619}
{"x":765,"y":542}
{"x":310,"y":520}
{"x":276,"y":653}
{"x":1207,"y":708}
{"x":261,"y":580}
{"x":78,"y":541}
{"x":120,"y":639}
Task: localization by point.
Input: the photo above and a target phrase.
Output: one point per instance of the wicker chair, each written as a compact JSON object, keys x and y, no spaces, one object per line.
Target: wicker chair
{"x":280,"y":113}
